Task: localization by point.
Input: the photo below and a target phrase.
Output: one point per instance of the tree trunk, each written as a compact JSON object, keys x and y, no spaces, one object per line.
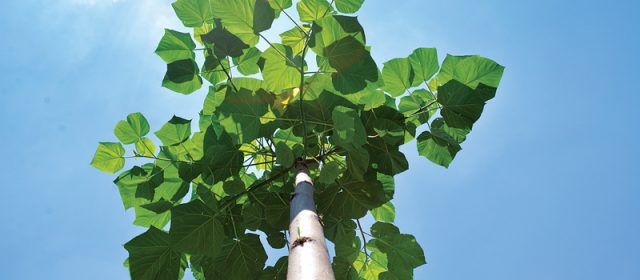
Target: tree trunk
{"x":308,"y":254}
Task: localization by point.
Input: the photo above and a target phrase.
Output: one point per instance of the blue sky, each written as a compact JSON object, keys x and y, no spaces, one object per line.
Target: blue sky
{"x":547,"y":186}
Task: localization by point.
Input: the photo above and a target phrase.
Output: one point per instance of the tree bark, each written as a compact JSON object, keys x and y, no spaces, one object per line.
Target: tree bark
{"x":308,"y":254}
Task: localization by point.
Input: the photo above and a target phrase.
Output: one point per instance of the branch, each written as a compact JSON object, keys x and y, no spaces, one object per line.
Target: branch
{"x":364,"y":240}
{"x":228,"y":74}
{"x":277,"y":50}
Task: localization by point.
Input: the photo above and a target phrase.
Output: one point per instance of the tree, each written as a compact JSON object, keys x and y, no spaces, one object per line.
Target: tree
{"x":269,"y":123}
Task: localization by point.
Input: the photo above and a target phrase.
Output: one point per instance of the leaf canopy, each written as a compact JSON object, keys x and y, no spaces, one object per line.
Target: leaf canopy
{"x":317,"y":96}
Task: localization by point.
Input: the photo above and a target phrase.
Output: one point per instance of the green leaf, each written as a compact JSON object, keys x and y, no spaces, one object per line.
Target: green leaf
{"x":136,"y":186}
{"x":311,"y":10}
{"x":248,"y":62}
{"x":357,"y":163}
{"x":384,"y":213}
{"x":349,"y":6}
{"x":175,"y":46}
{"x":174,"y":132}
{"x":247,"y":115}
{"x":403,"y":252}
{"x":389,"y":159}
{"x":244,"y":18}
{"x":329,"y":173}
{"x":213,"y":68}
{"x":277,"y":240}
{"x":295,"y":39}
{"x":471,"y":71}
{"x":193,"y":13}
{"x":424,"y":62}
{"x":196,"y":229}
{"x":280,"y":5}
{"x":145,"y":147}
{"x":239,"y":259}
{"x":224,"y":43}
{"x":109,"y":157}
{"x":182,"y":76}
{"x":348,"y":131}
{"x":353,"y":64}
{"x":152,"y":257}
{"x":279,"y":71}
{"x":441,"y":144}
{"x":155,"y":214}
{"x":278,"y":271}
{"x":214,"y":99}
{"x":462,"y":105}
{"x":398,"y":76}
{"x":355,"y":199}
{"x":284,"y":155}
{"x":333,"y":28}
{"x":222,"y":161}
{"x":133,"y":129}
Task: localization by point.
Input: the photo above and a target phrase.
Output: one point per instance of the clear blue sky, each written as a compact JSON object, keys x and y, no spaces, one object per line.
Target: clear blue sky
{"x":547,"y":186}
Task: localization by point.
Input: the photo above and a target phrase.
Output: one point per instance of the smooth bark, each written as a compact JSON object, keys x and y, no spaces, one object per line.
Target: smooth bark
{"x":308,"y":254}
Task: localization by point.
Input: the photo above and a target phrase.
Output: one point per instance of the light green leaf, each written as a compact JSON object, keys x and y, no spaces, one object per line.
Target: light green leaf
{"x":193,"y":13}
{"x":145,"y":147}
{"x":398,"y":76}
{"x":152,"y":257}
{"x":176,"y":131}
{"x":244,"y":18}
{"x":248,"y":62}
{"x":311,"y":10}
{"x":182,"y":76}
{"x":462,"y":105}
{"x":280,"y":5}
{"x":175,"y":46}
{"x":295,"y":39}
{"x":134,"y":128}
{"x":384,"y":213}
{"x":213,"y":69}
{"x":471,"y":71}
{"x":196,"y":229}
{"x":109,"y":157}
{"x":214,"y":98}
{"x":280,"y":73}
{"x":424,"y":62}
{"x":349,"y":6}
{"x":136,"y":186}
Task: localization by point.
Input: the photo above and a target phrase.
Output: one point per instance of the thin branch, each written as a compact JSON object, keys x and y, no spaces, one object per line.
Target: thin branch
{"x":364,"y":240}
{"x":228,"y":74}
{"x":277,"y":50}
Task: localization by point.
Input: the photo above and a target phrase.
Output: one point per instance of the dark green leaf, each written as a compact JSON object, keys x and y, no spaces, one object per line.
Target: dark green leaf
{"x":353,"y":64}
{"x":152,"y":257}
{"x":182,"y":76}
{"x":195,"y":229}
{"x":462,"y":105}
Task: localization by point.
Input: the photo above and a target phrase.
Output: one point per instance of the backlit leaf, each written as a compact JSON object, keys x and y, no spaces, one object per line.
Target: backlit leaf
{"x":109,"y":157}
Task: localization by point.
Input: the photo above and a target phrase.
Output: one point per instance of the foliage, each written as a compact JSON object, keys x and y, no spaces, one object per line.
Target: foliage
{"x":265,"y":109}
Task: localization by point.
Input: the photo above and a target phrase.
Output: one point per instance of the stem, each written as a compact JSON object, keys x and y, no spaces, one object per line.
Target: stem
{"x":228,"y":74}
{"x":364,"y":241}
{"x":277,"y":50}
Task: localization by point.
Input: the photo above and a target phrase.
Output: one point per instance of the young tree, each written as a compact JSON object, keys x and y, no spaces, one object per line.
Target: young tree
{"x":270,"y":123}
